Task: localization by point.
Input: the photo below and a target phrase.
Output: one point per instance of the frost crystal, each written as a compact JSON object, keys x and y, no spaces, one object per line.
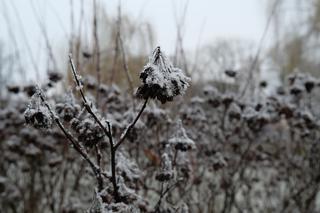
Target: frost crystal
{"x":180,"y":140}
{"x":161,"y":80}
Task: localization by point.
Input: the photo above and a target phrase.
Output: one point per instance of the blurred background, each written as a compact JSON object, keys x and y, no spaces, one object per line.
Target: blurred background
{"x":262,"y":40}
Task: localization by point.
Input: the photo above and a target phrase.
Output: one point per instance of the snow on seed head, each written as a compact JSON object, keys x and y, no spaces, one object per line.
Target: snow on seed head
{"x":30,"y":90}
{"x":13,"y":89}
{"x":234,"y":111}
{"x":160,"y":80}
{"x":180,"y":140}
{"x":37,"y":114}
{"x":54,"y":76}
{"x":89,"y":132}
{"x":166,"y":172}
{"x":68,"y":108}
{"x":309,"y":84}
{"x":231,"y":73}
{"x":127,"y":168}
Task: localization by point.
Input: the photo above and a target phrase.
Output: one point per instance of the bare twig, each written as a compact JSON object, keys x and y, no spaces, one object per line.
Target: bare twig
{"x":99,"y":157}
{"x":113,"y":165}
{"x":130,"y":126}
{"x":84,"y":99}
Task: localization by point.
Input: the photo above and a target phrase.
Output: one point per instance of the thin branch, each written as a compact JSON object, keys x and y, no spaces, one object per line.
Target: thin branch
{"x":99,"y":157}
{"x":84,"y":99}
{"x":113,"y":166}
{"x":131,"y":125}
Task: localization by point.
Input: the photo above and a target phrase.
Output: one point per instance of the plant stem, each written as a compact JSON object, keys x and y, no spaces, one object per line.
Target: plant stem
{"x":107,"y":131}
{"x":84,"y":99}
{"x":113,"y":171}
{"x":131,"y":125}
{"x":76,"y":145}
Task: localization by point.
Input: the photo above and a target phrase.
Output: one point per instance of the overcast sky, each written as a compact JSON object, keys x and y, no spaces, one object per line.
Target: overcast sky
{"x":206,"y":19}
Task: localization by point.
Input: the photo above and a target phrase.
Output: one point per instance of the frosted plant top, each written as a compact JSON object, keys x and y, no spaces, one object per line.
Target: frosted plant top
{"x":161,"y":80}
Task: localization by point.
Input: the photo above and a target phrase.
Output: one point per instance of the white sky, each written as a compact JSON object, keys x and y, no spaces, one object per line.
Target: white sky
{"x":209,"y":19}
{"x":206,"y":19}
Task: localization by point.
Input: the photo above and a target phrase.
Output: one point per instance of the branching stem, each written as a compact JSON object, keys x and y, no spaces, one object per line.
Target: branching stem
{"x":76,"y":145}
{"x":107,"y":130}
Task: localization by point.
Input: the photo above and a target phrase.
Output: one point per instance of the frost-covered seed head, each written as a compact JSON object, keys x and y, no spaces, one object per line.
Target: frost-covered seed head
{"x":90,"y":82}
{"x":281,"y":91}
{"x":55,"y":76}
{"x":166,"y":172}
{"x":89,"y":132}
{"x":263,"y":84}
{"x":127,"y":168}
{"x":227,"y":99}
{"x":309,"y":84}
{"x":30,"y":90}
{"x":219,"y":161}
{"x":230,"y":73}
{"x":13,"y":89}
{"x":68,"y":108}
{"x":37,"y":115}
{"x":235,"y":112}
{"x":180,"y":140}
{"x":296,"y":90}
{"x":155,"y":115}
{"x":161,"y":80}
